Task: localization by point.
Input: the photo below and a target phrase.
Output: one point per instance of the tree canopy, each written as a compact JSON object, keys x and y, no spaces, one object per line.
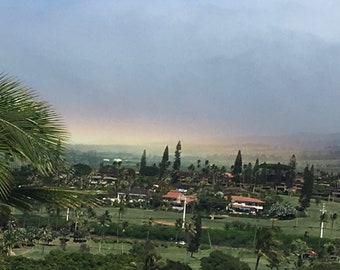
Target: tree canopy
{"x":217,"y":260}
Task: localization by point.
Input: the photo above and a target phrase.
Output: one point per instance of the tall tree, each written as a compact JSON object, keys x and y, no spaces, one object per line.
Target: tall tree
{"x":198,"y":163}
{"x":142,"y":166}
{"x":191,"y":169}
{"x":214,"y":173}
{"x":178,"y":227}
{"x":299,"y":248}
{"x":237,"y":168}
{"x":266,"y":245}
{"x":194,"y":233}
{"x":163,"y":166}
{"x":103,"y":221}
{"x":334,"y":216}
{"x":177,"y":161}
{"x":256,"y":173}
{"x":263,"y":174}
{"x":206,"y":168}
{"x":248,"y":172}
{"x":307,"y":187}
{"x":292,"y":162}
{"x":292,"y":173}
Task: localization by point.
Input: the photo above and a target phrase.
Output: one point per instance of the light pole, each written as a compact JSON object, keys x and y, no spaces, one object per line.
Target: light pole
{"x":184,"y":210}
{"x":322,"y":218}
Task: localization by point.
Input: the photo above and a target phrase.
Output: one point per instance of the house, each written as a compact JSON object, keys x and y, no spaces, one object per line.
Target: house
{"x":176,"y":197}
{"x":246,"y":204}
{"x":135,"y":194}
{"x":101,"y":180}
{"x":173,"y":197}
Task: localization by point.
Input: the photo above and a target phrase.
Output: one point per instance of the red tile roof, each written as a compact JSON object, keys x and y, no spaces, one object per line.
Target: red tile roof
{"x":191,"y":198}
{"x":245,"y":199}
{"x":173,"y":194}
{"x":177,"y":195}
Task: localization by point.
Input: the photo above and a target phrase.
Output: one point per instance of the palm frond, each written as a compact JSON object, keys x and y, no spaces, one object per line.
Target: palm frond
{"x":24,"y":198}
{"x":6,"y":180}
{"x":30,"y":131}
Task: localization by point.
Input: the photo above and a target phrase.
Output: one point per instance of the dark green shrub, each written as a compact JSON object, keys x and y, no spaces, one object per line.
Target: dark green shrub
{"x":218,"y":260}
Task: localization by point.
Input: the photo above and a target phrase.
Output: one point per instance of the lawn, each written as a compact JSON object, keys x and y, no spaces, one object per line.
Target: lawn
{"x":298,"y":227}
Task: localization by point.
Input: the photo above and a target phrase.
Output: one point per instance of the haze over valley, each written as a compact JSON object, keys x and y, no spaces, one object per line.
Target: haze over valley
{"x":322,"y":150}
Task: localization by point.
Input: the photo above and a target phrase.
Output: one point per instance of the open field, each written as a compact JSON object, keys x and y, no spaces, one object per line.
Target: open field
{"x":298,"y":226}
{"x":168,"y":249}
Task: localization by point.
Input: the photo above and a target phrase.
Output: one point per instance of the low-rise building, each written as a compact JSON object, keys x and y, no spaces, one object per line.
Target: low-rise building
{"x":176,"y":197}
{"x":246,"y":204}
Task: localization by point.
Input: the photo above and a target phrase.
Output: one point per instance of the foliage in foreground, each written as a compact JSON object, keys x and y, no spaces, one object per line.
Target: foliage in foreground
{"x":60,"y":260}
{"x":31,"y":133}
{"x":65,"y":260}
{"x":143,"y":255}
{"x":322,"y":266}
{"x":218,"y":260}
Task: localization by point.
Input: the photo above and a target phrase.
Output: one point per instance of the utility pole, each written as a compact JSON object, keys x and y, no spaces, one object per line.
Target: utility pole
{"x":323,"y":213}
{"x":184,"y":210}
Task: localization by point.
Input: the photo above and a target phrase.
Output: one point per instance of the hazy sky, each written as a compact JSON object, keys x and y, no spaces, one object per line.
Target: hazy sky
{"x":145,"y":71}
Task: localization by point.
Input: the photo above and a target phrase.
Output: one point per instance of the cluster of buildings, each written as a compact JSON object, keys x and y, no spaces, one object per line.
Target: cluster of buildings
{"x":238,"y":204}
{"x":176,"y":200}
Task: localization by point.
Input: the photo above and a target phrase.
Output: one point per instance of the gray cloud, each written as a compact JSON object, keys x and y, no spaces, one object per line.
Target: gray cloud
{"x":225,"y":67}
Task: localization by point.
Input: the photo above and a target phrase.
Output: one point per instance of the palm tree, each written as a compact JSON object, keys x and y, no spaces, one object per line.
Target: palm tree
{"x":191,"y":169}
{"x":299,"y":248}
{"x":266,"y":245}
{"x":104,"y":221}
{"x":12,"y":236}
{"x":152,"y":262}
{"x":122,"y":209}
{"x":31,"y":133}
{"x":334,"y":216}
{"x":178,"y":227}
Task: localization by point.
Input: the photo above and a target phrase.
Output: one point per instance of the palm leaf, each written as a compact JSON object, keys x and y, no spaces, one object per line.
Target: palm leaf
{"x":5,"y":180}
{"x":24,"y":198}
{"x":30,"y":131}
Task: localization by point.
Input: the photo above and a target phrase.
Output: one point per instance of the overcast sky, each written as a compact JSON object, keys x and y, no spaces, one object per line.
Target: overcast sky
{"x":145,"y":71}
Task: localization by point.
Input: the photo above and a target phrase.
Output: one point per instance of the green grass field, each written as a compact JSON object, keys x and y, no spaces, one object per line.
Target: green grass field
{"x":298,"y":226}
{"x":169,"y":250}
